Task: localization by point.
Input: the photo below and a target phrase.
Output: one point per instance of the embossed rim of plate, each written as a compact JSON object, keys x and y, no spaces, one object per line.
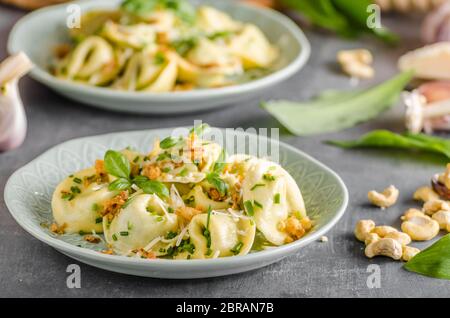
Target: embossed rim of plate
{"x":275,"y":253}
{"x":287,"y":71}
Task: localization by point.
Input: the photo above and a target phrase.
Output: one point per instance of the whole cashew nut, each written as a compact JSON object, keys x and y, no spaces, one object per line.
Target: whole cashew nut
{"x":356,"y":63}
{"x":384,"y":199}
{"x":385,"y":247}
{"x":443,"y":218}
{"x":363,"y":229}
{"x":445,"y":177}
{"x":372,"y":237}
{"x":425,"y":194}
{"x":400,"y":237}
{"x":420,"y":227}
{"x":383,"y":230}
{"x":410,"y":213}
{"x":409,"y":252}
{"x":433,"y":206}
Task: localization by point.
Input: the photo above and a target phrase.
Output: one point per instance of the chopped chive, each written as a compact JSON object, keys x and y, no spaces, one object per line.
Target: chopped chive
{"x":259,"y":205}
{"x":208,"y":252}
{"x":166,"y":169}
{"x":249,"y":207}
{"x":81,"y":232}
{"x":159,"y":219}
{"x":257,"y":185}
{"x":129,"y":226}
{"x":171,"y":235}
{"x":114,"y":237}
{"x":268,"y":177}
{"x":170,"y":209}
{"x":77,"y":180}
{"x":276,"y":198}
{"x":237,"y":248}
{"x":67,"y":196}
{"x":98,"y":220}
{"x":75,"y":189}
{"x":124,"y":233}
{"x":183,"y":172}
{"x":136,"y":159}
{"x":71,"y":176}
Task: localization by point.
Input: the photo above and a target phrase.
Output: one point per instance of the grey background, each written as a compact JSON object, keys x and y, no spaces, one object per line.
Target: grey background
{"x":336,"y":268}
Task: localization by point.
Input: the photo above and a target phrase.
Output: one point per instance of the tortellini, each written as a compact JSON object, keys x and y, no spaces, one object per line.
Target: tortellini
{"x":183,"y":199}
{"x":141,"y":221}
{"x":274,"y":196}
{"x":228,"y":236}
{"x":160,"y":51}
{"x":76,"y":206}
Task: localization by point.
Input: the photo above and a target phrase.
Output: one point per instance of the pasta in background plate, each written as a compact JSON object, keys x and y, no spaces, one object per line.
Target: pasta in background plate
{"x":163,"y":46}
{"x":184,"y":199}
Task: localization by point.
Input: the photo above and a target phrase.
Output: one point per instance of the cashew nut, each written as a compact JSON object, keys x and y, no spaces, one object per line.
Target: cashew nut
{"x":420,"y":227}
{"x":400,"y":237}
{"x":425,"y":194}
{"x":431,"y":207}
{"x":385,"y":247}
{"x":409,"y":252}
{"x":443,"y":218}
{"x":383,"y":230}
{"x":384,"y":199}
{"x":363,"y":228}
{"x":356,"y":63}
{"x":371,"y":237}
{"x":410,"y":213}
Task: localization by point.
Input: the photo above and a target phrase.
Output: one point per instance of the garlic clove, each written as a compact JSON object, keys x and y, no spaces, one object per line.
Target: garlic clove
{"x":13,"y":123}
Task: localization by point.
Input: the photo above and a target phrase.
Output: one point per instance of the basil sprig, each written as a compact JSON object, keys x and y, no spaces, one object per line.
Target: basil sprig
{"x":433,"y":261}
{"x":199,"y":130}
{"x":118,"y":165}
{"x":214,"y":179}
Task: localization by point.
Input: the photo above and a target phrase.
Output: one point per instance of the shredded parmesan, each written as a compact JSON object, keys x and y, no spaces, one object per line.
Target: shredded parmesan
{"x":153,"y":243}
{"x":180,"y":236}
{"x":216,"y":254}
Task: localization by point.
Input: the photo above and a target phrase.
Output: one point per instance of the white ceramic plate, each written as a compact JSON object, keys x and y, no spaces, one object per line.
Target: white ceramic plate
{"x":28,"y":195}
{"x":38,"y":33}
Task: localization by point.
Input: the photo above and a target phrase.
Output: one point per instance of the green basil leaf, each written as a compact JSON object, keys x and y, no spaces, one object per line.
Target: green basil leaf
{"x":408,"y":141}
{"x":433,"y":261}
{"x":220,"y":162}
{"x":168,"y":142}
{"x":328,"y":115}
{"x":119,"y":184}
{"x":152,"y":186}
{"x":214,"y":179}
{"x":117,"y":164}
{"x":182,"y":8}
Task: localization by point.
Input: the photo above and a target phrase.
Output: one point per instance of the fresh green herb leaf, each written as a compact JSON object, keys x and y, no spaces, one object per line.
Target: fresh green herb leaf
{"x":220,"y":163}
{"x":219,"y":35}
{"x":124,"y":233}
{"x":408,"y":141}
{"x":119,"y":184}
{"x":67,"y":196}
{"x":433,"y":261}
{"x":117,"y":164}
{"x":183,"y":46}
{"x":136,"y":159}
{"x":168,"y":142}
{"x":114,"y":237}
{"x":248,"y":205}
{"x":276,"y":198}
{"x":98,"y":220}
{"x":214,"y":179}
{"x":237,"y":248}
{"x":344,"y":110}
{"x":170,"y":209}
{"x":151,"y":186}
{"x":166,"y":169}
{"x":208,"y":217}
{"x":257,"y":185}
{"x":75,"y":190}
{"x":77,"y":180}
{"x":163,"y":156}
{"x":159,"y":58}
{"x":182,"y":8}
{"x":171,"y":235}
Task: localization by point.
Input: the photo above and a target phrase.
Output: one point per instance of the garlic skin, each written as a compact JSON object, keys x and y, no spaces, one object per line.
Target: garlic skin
{"x":436,"y":25}
{"x":13,"y":121}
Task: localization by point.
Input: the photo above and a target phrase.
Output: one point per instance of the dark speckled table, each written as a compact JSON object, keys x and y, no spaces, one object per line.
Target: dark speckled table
{"x":336,"y":268}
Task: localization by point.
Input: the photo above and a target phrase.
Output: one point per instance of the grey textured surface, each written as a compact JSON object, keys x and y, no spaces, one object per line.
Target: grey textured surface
{"x":336,"y":268}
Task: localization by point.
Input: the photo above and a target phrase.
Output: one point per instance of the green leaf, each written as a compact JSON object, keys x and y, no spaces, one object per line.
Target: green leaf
{"x":182,"y":8}
{"x":325,"y":115}
{"x":214,"y":179}
{"x":433,"y":261}
{"x":408,"y":141}
{"x":117,"y":164}
{"x":220,"y":162}
{"x":119,"y":184}
{"x":168,"y":142}
{"x":151,"y":186}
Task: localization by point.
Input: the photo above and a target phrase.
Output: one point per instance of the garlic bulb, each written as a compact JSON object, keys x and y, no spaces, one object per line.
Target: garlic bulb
{"x":13,"y":123}
{"x":436,"y":25}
